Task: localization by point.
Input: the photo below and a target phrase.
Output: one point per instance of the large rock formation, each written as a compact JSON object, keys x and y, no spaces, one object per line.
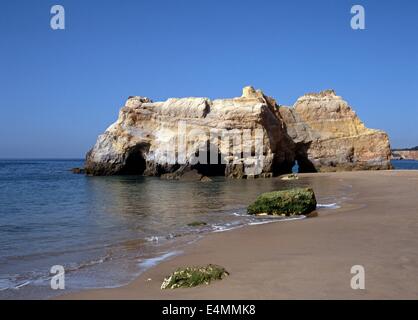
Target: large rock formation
{"x":405,"y":154}
{"x":249,"y":136}
{"x":329,"y":136}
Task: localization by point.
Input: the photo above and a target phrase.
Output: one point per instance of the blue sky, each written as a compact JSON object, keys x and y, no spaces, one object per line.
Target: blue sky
{"x":60,"y":89}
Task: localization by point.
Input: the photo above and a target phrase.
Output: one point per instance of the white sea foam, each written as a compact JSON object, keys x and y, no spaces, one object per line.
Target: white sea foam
{"x":225,"y":228}
{"x":260,"y":222}
{"x":24,"y":284}
{"x":328,"y":206}
{"x":6,"y":284}
{"x":152,"y":239}
{"x":148,"y":263}
{"x":276,"y":220}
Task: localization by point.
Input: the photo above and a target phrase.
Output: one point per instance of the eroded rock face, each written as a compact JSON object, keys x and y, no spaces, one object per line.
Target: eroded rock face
{"x":329,"y":136}
{"x":405,"y":155}
{"x":156,"y":138}
{"x":248,"y":136}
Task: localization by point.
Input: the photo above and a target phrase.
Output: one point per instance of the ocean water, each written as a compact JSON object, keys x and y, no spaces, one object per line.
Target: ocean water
{"x":405,"y":164}
{"x":104,"y":231}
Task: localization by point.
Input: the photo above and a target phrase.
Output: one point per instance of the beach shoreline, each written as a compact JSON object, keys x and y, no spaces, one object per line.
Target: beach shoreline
{"x":307,"y":259}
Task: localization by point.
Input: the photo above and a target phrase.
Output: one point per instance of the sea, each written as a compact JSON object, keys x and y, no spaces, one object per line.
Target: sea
{"x":105,"y":231}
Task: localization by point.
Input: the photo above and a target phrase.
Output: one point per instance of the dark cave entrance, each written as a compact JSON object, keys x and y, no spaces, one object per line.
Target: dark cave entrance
{"x":304,"y":165}
{"x":302,"y":162}
{"x":212,"y":162}
{"x":135,"y":162}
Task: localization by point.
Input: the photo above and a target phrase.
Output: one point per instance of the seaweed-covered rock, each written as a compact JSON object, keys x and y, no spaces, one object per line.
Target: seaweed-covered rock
{"x":289,"y":202}
{"x":194,"y":276}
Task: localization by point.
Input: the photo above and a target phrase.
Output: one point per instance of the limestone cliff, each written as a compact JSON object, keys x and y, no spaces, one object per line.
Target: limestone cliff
{"x":156,"y":138}
{"x":248,"y":136}
{"x":407,"y":154}
{"x":330,"y":136}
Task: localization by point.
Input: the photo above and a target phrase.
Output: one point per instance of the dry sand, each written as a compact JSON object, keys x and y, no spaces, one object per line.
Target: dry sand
{"x":311,"y":258}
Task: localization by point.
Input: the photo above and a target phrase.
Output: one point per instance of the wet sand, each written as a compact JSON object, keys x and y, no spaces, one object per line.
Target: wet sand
{"x":311,"y":258}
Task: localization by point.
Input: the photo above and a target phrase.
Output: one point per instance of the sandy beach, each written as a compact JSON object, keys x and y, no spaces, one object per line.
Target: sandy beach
{"x":377,"y":227}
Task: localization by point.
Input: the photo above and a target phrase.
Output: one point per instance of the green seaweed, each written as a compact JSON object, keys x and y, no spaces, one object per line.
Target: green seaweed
{"x":194,"y":276}
{"x":289,"y":202}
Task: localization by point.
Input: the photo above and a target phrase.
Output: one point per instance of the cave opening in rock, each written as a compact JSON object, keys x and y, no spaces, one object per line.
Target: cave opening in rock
{"x":304,"y":164}
{"x":135,"y":162}
{"x":213,"y":166}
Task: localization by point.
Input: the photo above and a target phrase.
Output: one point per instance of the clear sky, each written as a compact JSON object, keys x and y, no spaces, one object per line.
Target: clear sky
{"x":60,"y":89}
